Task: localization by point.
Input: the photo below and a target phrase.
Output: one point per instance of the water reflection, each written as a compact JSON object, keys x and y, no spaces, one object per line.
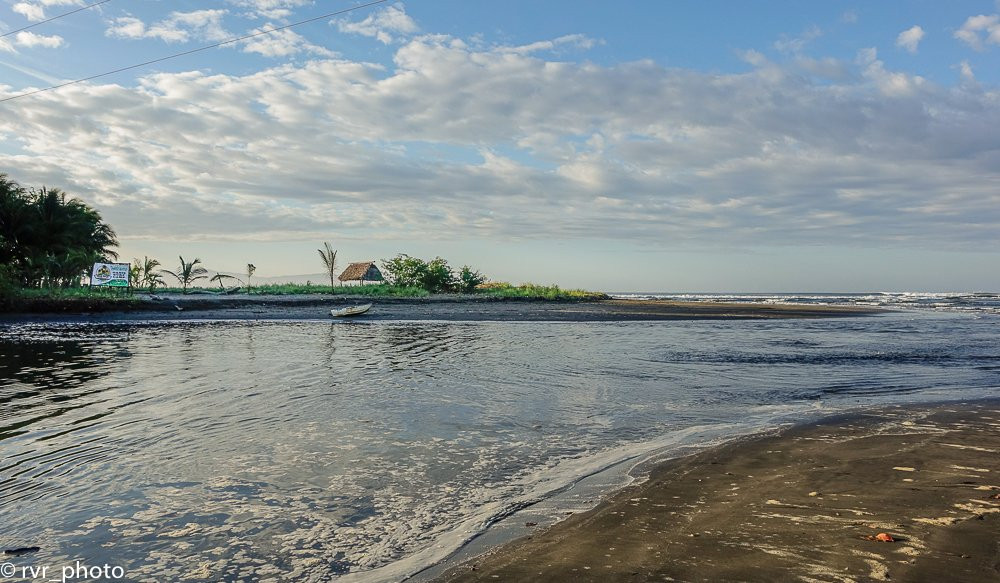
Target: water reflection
{"x":300,"y":450}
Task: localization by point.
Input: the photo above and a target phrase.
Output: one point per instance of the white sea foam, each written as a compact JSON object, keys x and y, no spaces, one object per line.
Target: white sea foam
{"x":988,"y":303}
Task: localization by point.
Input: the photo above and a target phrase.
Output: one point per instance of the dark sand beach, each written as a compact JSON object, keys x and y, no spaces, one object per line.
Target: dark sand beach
{"x":797,"y":505}
{"x":446,"y":307}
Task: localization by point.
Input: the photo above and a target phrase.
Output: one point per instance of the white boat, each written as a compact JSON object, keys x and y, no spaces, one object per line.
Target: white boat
{"x":350,"y":311}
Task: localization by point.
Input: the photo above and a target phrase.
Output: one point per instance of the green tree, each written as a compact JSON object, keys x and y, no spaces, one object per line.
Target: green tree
{"x":188,"y":273}
{"x":404,"y":270}
{"x":468,"y":279}
{"x":135,"y":273}
{"x":49,"y":239}
{"x":18,"y":227}
{"x":329,"y":257}
{"x":438,"y":277}
{"x":149,"y":275}
{"x":435,"y":276}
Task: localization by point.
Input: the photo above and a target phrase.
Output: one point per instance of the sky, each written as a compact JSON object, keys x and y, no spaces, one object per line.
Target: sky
{"x":630,"y":146}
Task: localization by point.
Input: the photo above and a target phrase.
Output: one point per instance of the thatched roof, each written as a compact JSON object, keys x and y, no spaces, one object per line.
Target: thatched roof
{"x":360,"y":271}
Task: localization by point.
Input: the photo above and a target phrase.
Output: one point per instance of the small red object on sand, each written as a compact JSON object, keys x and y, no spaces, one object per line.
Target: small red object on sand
{"x":884,"y":537}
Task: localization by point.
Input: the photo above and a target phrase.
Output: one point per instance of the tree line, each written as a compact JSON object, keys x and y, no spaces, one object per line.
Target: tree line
{"x":435,"y":276}
{"x":48,"y":239}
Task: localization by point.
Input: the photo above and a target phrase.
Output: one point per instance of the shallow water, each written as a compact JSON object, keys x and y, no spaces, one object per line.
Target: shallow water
{"x":305,"y":450}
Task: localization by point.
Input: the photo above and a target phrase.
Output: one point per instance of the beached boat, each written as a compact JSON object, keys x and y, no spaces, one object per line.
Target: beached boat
{"x":350,"y":311}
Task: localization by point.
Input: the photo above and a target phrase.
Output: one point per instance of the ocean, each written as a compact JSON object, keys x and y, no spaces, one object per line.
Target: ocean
{"x":973,"y":302}
{"x":318,"y":450}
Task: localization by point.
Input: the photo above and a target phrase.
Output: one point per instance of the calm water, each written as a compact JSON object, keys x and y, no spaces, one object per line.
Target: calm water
{"x":305,"y":450}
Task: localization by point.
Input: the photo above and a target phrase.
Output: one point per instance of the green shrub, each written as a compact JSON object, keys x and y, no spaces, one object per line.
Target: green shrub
{"x":469,"y":280}
{"x":534,"y":291}
{"x":435,"y":276}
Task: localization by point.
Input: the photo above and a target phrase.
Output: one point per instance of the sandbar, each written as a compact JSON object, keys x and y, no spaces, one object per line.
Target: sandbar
{"x":442,"y":308}
{"x":798,"y":504}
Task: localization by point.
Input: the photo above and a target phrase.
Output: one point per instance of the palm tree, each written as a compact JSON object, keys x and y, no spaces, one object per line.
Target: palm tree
{"x":329,"y":258}
{"x":135,"y":273}
{"x":222,"y":277}
{"x":17,"y":227}
{"x":250,"y":269}
{"x":188,"y":273}
{"x":145,"y":274}
{"x":49,"y":239}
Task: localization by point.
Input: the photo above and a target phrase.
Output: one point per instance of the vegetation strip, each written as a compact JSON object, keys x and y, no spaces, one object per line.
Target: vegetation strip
{"x":49,"y":242}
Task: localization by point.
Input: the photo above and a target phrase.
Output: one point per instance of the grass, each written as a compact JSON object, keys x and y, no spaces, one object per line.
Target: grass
{"x":489,"y":290}
{"x":374,"y":290}
{"x":66,"y":299}
{"x":534,"y":291}
{"x":59,"y":293}
{"x":283,"y":289}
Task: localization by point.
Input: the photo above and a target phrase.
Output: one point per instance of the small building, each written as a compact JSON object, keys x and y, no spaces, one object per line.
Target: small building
{"x":363,"y":272}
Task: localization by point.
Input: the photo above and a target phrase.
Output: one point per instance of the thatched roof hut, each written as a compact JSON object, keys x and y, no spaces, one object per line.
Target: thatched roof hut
{"x":361,"y":272}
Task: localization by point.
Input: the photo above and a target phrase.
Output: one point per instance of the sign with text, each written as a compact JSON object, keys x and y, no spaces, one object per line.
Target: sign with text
{"x":110,"y":275}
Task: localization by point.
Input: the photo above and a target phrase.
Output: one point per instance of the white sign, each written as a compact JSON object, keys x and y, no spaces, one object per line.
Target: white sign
{"x":110,"y":275}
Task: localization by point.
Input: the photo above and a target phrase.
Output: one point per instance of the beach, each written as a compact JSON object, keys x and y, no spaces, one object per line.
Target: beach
{"x":801,"y":504}
{"x":440,"y":307}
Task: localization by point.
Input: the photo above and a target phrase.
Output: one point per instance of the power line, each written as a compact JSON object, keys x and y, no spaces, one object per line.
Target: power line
{"x":197,"y":50}
{"x":54,"y":18}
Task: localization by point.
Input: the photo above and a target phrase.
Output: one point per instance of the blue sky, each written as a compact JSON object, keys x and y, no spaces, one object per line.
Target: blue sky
{"x":685,"y":146}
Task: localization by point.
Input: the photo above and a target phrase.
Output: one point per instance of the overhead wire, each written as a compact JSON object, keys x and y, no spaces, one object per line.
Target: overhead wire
{"x":192,"y":51}
{"x":54,"y":18}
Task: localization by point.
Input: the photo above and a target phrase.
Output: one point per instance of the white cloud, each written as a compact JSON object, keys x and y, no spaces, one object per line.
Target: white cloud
{"x":32,"y":12}
{"x":890,"y":83}
{"x":755,"y":58}
{"x":35,"y":11}
{"x":126,"y":27}
{"x":965,"y":69}
{"x":980,"y":29}
{"x":795,"y":45}
{"x":270,"y":9}
{"x":910,"y":39}
{"x":491,"y":142}
{"x":282,"y":43}
{"x":574,"y":40}
{"x":205,"y":25}
{"x":30,"y":40}
{"x":382,"y":24}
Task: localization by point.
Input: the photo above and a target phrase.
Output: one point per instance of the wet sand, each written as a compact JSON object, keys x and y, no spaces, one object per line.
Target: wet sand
{"x":798,"y":505}
{"x":446,"y":307}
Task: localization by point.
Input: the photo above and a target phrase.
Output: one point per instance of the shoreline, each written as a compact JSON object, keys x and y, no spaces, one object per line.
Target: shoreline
{"x":791,"y":503}
{"x":441,"y":307}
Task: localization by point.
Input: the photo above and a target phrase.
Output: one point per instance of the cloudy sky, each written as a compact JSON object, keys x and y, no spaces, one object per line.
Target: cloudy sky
{"x":672,"y":146}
